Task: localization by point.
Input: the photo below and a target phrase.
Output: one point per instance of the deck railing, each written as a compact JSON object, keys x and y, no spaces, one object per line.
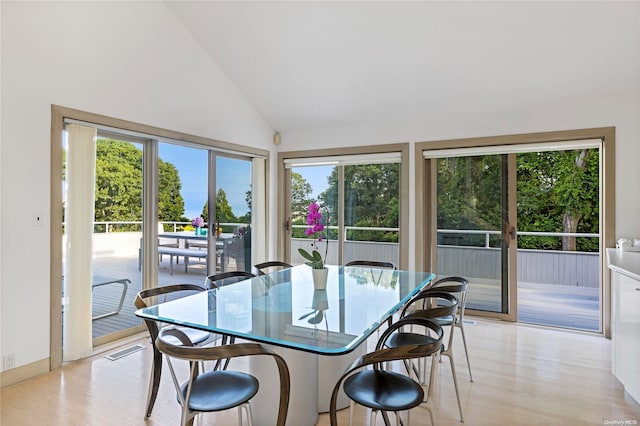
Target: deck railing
{"x":175,"y":226}
{"x":539,"y":266}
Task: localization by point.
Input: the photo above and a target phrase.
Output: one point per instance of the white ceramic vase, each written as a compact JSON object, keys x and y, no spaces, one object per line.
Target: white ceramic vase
{"x":320,"y":278}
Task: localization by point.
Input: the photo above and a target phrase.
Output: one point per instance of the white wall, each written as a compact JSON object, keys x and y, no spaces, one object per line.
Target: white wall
{"x":621,"y":111}
{"x":129,"y":60}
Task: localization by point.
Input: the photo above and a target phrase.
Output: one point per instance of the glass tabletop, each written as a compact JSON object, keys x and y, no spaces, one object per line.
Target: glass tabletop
{"x":284,"y":309}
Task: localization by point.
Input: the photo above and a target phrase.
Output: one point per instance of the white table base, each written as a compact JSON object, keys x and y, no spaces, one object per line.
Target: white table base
{"x":312,"y":380}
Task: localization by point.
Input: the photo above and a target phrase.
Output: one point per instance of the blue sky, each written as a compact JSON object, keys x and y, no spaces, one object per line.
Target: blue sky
{"x":316,"y":176}
{"x":234,"y":176}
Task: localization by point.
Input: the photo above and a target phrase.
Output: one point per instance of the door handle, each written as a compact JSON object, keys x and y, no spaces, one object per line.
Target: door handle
{"x":509,"y":234}
{"x":287,"y":225}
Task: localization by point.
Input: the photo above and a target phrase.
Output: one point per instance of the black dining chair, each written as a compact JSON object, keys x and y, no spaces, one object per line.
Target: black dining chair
{"x":226,"y":278}
{"x":384,"y":390}
{"x":430,"y":305}
{"x":218,"y":390}
{"x":264,"y":268}
{"x":148,"y":297}
{"x":457,"y":286}
{"x":270,"y":266}
{"x":373,"y":263}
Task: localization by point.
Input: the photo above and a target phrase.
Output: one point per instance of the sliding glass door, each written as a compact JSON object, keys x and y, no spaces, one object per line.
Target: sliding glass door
{"x":522,"y":222}
{"x":233,"y":201}
{"x":141,"y":212}
{"x":359,"y":198}
{"x":559,"y":238}
{"x":472,"y":223}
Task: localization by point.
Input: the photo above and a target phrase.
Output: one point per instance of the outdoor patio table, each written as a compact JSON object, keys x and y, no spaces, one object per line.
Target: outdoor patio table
{"x":222,"y":242}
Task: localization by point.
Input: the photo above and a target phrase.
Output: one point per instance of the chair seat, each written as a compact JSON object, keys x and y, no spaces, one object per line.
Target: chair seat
{"x":196,"y":336}
{"x":446,"y":320}
{"x":221,"y":390}
{"x":383,"y":390}
{"x":401,"y":339}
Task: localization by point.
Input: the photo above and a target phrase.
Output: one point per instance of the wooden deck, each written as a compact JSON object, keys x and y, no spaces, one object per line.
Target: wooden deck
{"x":559,"y":306}
{"x":105,"y":298}
{"x":544,"y":304}
{"x":552,"y":305}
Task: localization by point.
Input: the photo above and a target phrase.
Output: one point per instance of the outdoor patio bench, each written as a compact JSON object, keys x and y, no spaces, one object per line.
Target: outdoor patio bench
{"x":184,"y":252}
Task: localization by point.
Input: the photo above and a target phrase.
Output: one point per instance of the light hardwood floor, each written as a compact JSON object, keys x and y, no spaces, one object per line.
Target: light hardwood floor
{"x":523,"y":375}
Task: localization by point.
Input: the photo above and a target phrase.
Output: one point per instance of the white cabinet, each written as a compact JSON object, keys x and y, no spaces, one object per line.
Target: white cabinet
{"x":626,"y":331}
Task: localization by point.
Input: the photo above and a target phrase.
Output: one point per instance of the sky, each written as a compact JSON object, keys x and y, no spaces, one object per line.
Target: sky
{"x":317,"y":177}
{"x":234,"y":176}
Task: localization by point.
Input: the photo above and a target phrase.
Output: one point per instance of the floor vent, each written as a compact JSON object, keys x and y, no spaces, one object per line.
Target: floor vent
{"x":128,"y":351}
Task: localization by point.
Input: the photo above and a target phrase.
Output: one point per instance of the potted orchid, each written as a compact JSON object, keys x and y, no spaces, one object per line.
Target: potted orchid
{"x":314,"y":259}
{"x":198,"y":223}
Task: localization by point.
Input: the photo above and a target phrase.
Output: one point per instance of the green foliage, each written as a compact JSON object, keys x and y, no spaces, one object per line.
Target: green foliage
{"x":119,"y":185}
{"x":300,"y":200}
{"x":551,"y":186}
{"x":170,"y":201}
{"x":300,"y":191}
{"x":469,"y":197}
{"x":224,"y":213}
{"x":314,"y":259}
{"x":248,"y":196}
{"x":371,"y":200}
{"x":118,"y":192}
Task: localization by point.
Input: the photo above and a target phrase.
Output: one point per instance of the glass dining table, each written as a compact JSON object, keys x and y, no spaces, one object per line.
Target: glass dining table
{"x":318,"y":332}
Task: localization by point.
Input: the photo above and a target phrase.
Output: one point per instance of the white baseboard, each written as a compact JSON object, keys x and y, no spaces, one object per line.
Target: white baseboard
{"x":24,"y":372}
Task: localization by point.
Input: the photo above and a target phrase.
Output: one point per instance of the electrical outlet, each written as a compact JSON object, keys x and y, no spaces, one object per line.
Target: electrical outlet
{"x":8,"y":361}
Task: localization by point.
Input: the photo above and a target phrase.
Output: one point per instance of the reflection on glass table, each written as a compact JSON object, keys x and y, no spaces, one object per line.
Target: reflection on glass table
{"x":274,"y":311}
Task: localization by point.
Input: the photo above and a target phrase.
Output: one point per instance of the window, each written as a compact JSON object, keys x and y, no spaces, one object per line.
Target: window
{"x":359,"y":194}
{"x":517,"y":167}
{"x":141,"y":189}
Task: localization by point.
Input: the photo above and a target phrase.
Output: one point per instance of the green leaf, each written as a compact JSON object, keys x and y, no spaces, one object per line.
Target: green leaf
{"x":314,"y":258}
{"x":306,"y":255}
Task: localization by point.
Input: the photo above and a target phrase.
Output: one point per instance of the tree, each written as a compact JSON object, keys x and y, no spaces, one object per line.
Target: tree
{"x":300,"y":200}
{"x":224,"y":213}
{"x":170,"y":202}
{"x":248,"y":197}
{"x":469,"y":197}
{"x":118,"y":194}
{"x":538,"y":207}
{"x":371,"y":200}
{"x":578,"y":193}
{"x":559,"y":192}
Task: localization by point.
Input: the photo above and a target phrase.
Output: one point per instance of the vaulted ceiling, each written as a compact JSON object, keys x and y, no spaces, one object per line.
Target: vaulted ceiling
{"x":312,"y":65}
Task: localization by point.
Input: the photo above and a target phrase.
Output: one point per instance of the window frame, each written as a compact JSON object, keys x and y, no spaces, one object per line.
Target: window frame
{"x":284,"y":197}
{"x":60,"y":115}
{"x":425,"y":193}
